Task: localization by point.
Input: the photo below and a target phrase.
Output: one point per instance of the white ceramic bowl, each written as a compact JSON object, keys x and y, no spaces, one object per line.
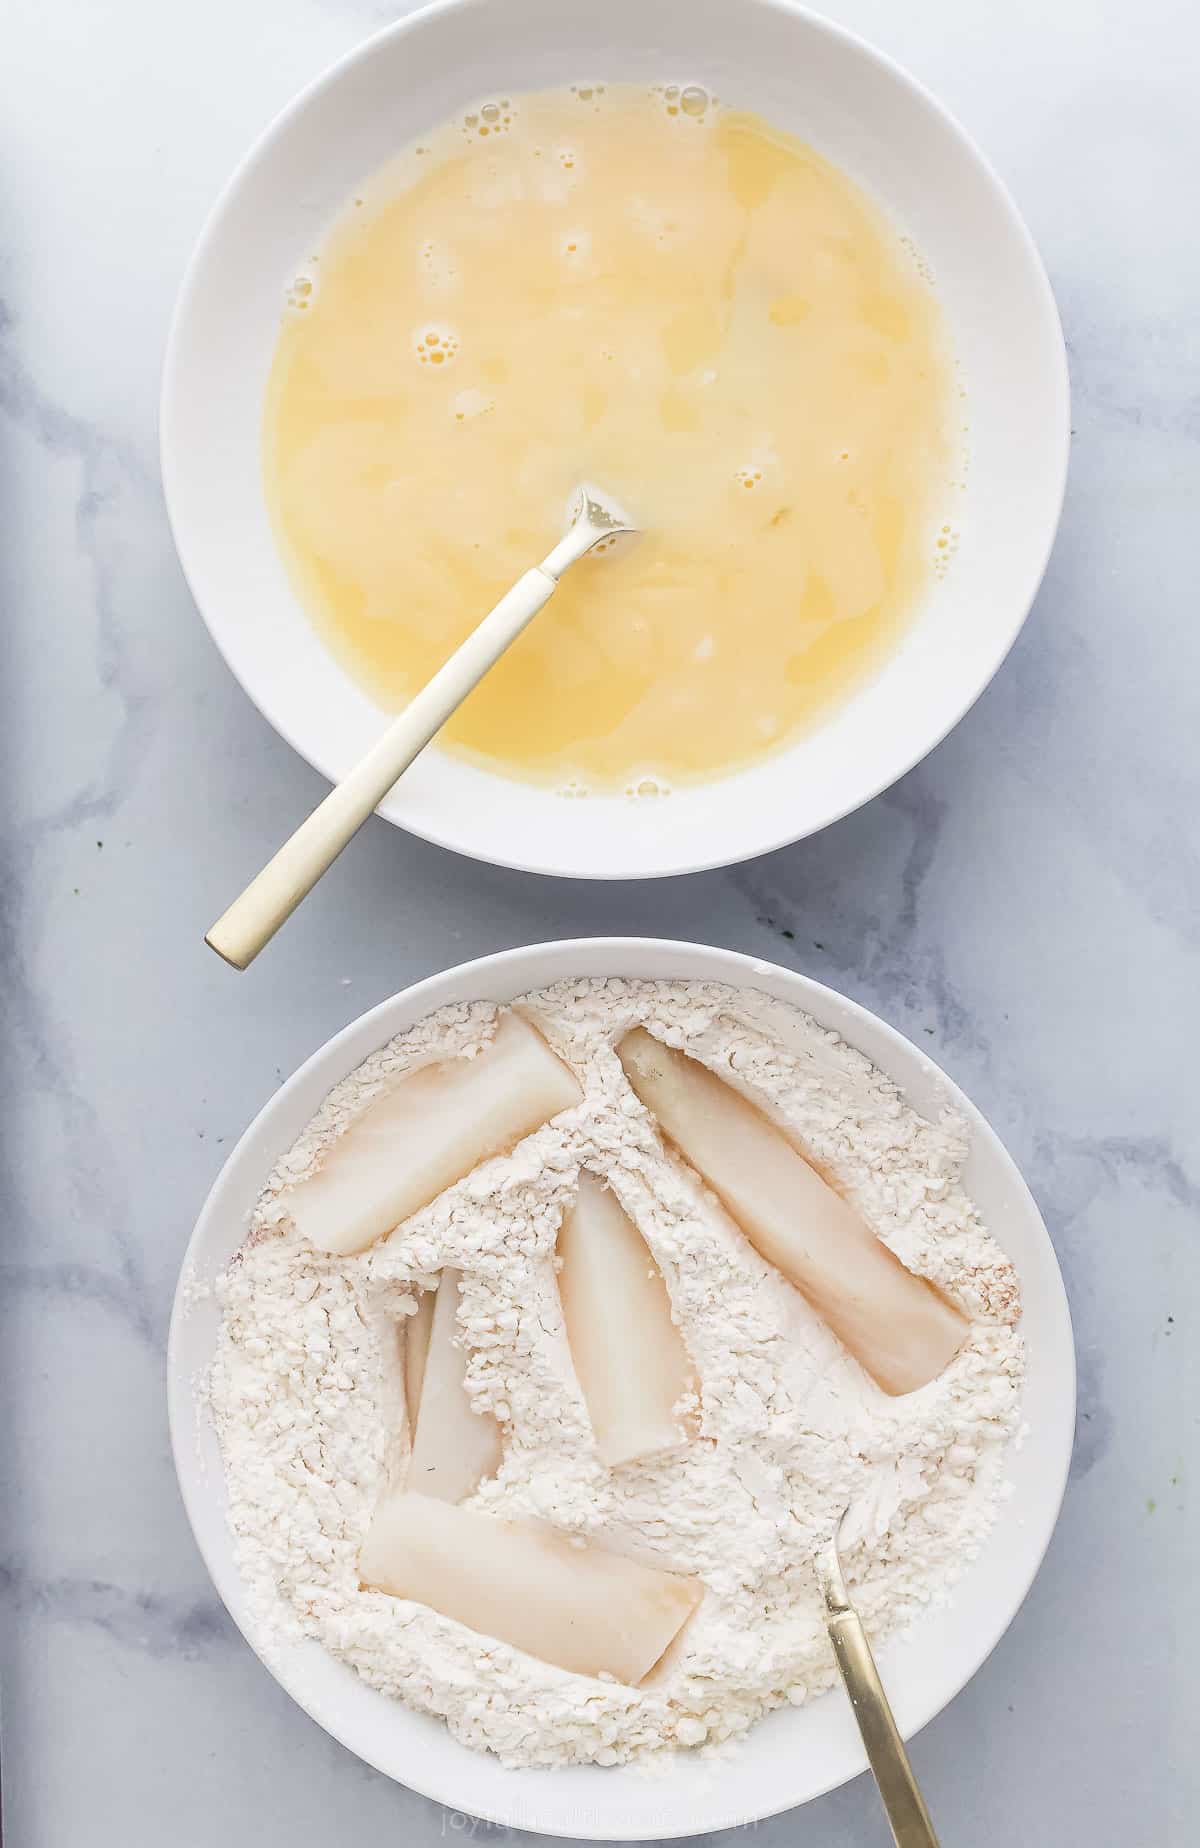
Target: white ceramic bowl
{"x":791,"y":1755}
{"x":802,"y":73}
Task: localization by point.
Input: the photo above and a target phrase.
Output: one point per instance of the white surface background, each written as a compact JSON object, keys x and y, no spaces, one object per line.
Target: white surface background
{"x":1026,"y":903}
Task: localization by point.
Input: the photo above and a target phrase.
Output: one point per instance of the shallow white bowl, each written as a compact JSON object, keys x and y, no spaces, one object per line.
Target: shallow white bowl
{"x":803,"y":74}
{"x":792,"y":1755}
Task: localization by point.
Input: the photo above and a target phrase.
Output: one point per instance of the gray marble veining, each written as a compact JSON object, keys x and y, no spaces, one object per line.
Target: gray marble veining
{"x":1026,"y":904}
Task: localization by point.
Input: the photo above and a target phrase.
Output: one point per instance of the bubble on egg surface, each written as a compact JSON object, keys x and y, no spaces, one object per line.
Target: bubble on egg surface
{"x":490,"y":118}
{"x":436,"y":346}
{"x":920,"y":262}
{"x":945,"y":549}
{"x":436,"y":263}
{"x":662,"y":225}
{"x":300,"y":292}
{"x":749,"y":477}
{"x":690,"y":100}
{"x":471,"y":403}
{"x":647,"y":789}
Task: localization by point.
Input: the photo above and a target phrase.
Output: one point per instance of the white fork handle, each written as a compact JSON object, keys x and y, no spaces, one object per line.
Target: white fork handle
{"x":269,"y":900}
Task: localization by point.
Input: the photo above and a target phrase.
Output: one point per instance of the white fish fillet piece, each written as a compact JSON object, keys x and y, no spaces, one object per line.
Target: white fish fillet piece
{"x":416,"y":1350}
{"x":427,"y":1132}
{"x":901,"y":1329}
{"x":453,"y":1447}
{"x":579,"y":1607}
{"x":628,"y":1354}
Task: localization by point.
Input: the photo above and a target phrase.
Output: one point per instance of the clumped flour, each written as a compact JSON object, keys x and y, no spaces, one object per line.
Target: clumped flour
{"x":306,"y":1387}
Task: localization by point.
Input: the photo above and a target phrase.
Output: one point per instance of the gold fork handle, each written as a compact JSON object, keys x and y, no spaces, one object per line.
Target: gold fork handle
{"x":271,"y":897}
{"x":905,"y":1806}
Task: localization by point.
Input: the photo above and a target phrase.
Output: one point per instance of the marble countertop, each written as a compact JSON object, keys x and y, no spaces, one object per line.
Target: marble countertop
{"x":1026,"y":905}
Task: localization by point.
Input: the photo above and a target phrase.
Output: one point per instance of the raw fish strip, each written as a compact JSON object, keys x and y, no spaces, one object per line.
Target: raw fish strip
{"x":578,"y":1607}
{"x":453,"y":1448}
{"x":629,"y":1356}
{"x":896,"y":1325}
{"x":427,"y":1132}
{"x":416,"y":1352}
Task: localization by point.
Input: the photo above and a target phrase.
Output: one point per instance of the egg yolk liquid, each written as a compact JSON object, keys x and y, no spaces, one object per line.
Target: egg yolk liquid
{"x":676,"y":302}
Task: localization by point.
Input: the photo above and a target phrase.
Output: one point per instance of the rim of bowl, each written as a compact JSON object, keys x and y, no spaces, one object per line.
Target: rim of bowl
{"x":1058,"y":435}
{"x":740,"y":970}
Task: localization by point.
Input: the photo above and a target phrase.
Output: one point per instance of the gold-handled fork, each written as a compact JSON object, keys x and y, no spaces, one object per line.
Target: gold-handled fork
{"x":270,"y":898}
{"x":902,"y":1799}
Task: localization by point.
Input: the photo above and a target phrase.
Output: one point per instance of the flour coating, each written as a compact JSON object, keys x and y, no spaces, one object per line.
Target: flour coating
{"x":306,"y":1388}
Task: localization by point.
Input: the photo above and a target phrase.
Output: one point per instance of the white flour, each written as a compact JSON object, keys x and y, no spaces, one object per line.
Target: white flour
{"x":307,"y":1395}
